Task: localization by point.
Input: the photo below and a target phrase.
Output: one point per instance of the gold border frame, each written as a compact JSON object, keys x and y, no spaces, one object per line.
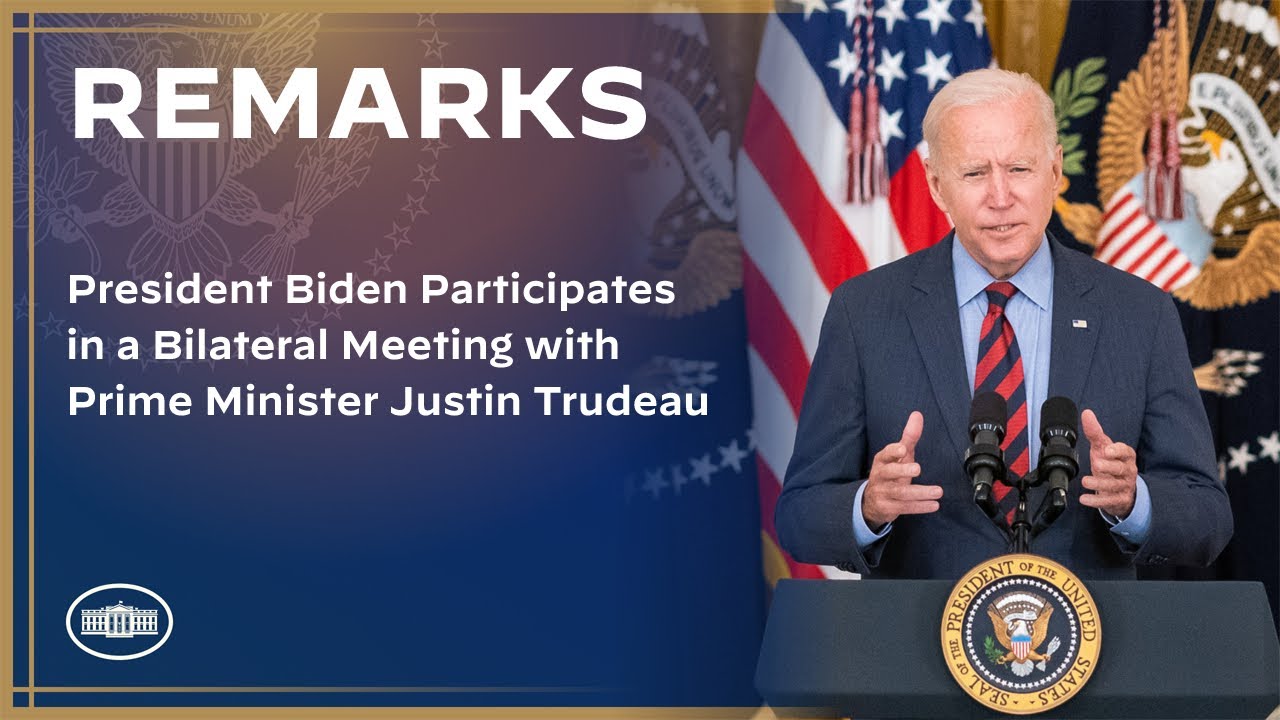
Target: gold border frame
{"x":7,"y":511}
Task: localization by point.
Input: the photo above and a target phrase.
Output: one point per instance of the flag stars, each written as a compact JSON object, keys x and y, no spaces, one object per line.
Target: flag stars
{"x":937,"y":13}
{"x":1270,"y":447}
{"x":852,"y":10}
{"x":380,"y":262}
{"x":1241,"y":61}
{"x":845,"y":63}
{"x":810,"y":6}
{"x":935,"y":68}
{"x":51,"y":326}
{"x":891,"y":125}
{"x":1223,"y":54}
{"x":1240,"y":458}
{"x":891,"y":13}
{"x":731,"y":456}
{"x":1273,"y":86}
{"x":890,"y":68}
{"x":1264,"y":205}
{"x":703,"y":469}
{"x":976,"y":18}
{"x":653,"y":482}
{"x":678,"y":478}
{"x":1255,"y":72}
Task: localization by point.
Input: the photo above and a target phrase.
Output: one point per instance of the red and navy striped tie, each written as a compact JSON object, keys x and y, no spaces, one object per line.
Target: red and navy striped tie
{"x":1000,"y":370}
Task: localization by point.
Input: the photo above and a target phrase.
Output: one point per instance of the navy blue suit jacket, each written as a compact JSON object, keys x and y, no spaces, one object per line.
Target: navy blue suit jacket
{"x":890,"y":344}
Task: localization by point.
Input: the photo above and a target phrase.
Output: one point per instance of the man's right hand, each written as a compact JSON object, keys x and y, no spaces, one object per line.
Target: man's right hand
{"x":889,"y":492}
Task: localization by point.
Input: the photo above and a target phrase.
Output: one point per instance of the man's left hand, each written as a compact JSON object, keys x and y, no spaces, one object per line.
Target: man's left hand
{"x":1114,"y":481}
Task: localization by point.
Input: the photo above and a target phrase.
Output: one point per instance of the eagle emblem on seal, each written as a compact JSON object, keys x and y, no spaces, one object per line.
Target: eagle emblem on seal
{"x":1021,"y":624}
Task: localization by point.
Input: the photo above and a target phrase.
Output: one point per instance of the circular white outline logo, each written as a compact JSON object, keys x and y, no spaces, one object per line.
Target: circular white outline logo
{"x":121,"y":586}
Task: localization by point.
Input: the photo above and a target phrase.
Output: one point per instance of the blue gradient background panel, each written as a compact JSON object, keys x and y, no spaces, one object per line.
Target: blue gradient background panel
{"x":491,"y":561}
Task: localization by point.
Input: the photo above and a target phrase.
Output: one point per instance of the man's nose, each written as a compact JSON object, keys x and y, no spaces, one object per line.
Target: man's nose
{"x":999,"y":192}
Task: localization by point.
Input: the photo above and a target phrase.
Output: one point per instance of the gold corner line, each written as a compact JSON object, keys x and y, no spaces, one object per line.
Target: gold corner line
{"x":405,"y":713}
{"x":406,"y":6}
{"x":264,"y":689}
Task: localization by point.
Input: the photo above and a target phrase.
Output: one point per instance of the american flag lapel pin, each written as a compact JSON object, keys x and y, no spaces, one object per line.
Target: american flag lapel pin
{"x":1081,"y":324}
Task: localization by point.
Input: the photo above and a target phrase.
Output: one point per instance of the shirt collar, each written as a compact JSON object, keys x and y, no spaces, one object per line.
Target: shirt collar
{"x":1034,"y":279}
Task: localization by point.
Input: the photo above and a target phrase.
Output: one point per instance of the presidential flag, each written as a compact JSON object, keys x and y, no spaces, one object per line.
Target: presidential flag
{"x":1168,"y":116}
{"x":831,"y":182}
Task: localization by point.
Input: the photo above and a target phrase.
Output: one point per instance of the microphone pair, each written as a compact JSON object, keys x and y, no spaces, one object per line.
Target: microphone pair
{"x":985,"y":463}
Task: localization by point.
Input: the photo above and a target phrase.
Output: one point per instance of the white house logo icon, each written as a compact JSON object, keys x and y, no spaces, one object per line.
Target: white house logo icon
{"x":119,"y":621}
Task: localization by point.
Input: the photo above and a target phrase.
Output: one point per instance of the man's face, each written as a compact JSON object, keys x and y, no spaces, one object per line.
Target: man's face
{"x":996,"y":179}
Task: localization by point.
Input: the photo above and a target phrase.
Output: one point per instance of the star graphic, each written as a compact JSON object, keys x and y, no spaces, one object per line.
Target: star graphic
{"x":147,"y":356}
{"x":731,"y":456}
{"x":1270,"y":447}
{"x":703,"y":469}
{"x":938,"y":12}
{"x":413,"y":205}
{"x":846,"y":63}
{"x":273,"y":333}
{"x":935,"y":68}
{"x":434,"y":146}
{"x":428,"y":19}
{"x":398,"y":235}
{"x":426,"y":176}
{"x":851,"y":9}
{"x":1240,"y":458}
{"x":891,"y":13}
{"x":22,"y":308}
{"x":379,"y":262}
{"x":890,"y":68}
{"x":332,"y":311}
{"x":52,"y":326}
{"x":434,"y":46}
{"x":891,"y":125}
{"x":653,"y":482}
{"x":751,"y":439}
{"x":976,"y":18}
{"x":811,"y":5}
{"x":303,"y":324}
{"x":678,"y":479}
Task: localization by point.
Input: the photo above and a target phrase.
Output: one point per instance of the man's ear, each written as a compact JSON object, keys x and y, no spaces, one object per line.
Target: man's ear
{"x":931,"y":177}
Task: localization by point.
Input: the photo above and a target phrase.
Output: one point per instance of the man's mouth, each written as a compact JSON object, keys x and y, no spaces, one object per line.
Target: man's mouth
{"x":1002,"y":228}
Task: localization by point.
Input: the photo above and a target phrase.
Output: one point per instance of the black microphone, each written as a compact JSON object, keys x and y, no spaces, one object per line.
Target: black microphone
{"x":1058,"y":459}
{"x":984,"y":460}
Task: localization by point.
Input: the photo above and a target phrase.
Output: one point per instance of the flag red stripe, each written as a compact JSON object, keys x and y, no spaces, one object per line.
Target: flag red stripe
{"x":920,"y":222}
{"x":1120,"y":229}
{"x":832,"y":248}
{"x":1173,"y":281}
{"x":1133,"y":266}
{"x":771,"y":333}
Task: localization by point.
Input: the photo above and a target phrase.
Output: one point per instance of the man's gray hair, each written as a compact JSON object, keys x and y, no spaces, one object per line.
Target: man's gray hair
{"x":986,"y":86}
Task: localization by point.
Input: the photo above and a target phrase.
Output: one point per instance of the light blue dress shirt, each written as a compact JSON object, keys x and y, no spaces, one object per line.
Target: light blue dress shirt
{"x":1030,"y":311}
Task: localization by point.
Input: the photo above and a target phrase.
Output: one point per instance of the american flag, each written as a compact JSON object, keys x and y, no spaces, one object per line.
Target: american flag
{"x":801,"y":237}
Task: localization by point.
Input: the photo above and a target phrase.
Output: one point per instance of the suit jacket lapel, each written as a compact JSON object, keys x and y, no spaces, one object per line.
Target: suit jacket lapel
{"x":1076,"y":322}
{"x":935,"y":325}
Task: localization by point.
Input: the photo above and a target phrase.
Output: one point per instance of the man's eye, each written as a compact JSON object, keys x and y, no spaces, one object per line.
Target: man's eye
{"x":973,"y":174}
{"x":1020,"y":169}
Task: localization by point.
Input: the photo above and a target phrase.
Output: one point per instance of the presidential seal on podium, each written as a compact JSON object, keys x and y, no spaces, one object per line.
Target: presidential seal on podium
{"x":1021,"y":634}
